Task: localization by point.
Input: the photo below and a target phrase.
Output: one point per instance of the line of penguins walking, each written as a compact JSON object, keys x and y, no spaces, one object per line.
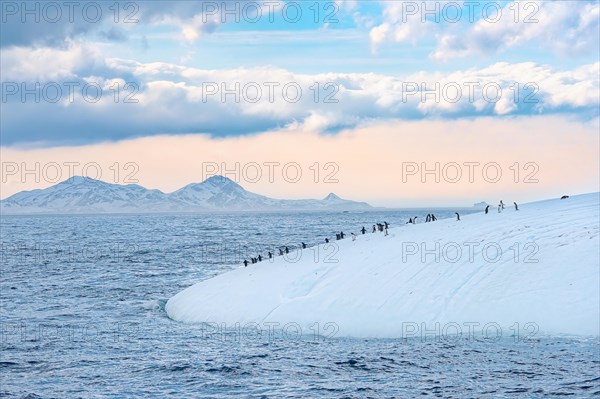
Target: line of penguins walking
{"x":377,"y":227}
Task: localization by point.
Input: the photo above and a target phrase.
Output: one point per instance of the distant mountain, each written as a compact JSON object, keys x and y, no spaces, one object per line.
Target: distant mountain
{"x":220,"y":192}
{"x":332,"y":197}
{"x":84,"y":195}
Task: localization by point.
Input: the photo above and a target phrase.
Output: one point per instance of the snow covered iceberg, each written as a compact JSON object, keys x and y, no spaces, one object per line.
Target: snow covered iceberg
{"x":538,"y":267}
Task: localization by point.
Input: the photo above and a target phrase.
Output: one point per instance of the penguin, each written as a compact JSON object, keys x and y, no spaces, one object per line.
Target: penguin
{"x":409,"y":221}
{"x":487,"y":208}
{"x":386,"y":224}
{"x":363,"y":230}
{"x":287,"y":251}
{"x":374,"y":229}
{"x":280,"y":252}
{"x":259,"y":258}
{"x":303,"y":245}
{"x":337,"y":236}
{"x":427,"y":218}
{"x":502,"y":204}
{"x":270,"y":255}
{"x":415,"y":220}
{"x":342,"y":235}
{"x":327,"y":241}
{"x":516,"y":206}
{"x":353,"y":236}
{"x":564,"y":197}
{"x":245,"y":263}
{"x":386,"y":231}
{"x":457,"y":216}
{"x":433,"y":218}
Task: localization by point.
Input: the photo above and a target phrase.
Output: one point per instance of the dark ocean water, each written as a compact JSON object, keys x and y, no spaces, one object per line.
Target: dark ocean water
{"x":82,"y":316}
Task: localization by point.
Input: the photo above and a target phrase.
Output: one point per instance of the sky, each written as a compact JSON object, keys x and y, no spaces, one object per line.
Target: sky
{"x":362,"y":98}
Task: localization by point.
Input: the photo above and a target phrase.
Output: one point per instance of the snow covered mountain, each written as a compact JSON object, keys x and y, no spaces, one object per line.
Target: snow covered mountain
{"x":217,"y":193}
{"x":220,"y":192}
{"x":82,"y":194}
{"x":534,"y":270}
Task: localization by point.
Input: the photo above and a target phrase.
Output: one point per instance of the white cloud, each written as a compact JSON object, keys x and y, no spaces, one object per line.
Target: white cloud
{"x":114,"y":22}
{"x":569,"y":28}
{"x":175,"y":99}
{"x":378,"y":35}
{"x":191,"y":27}
{"x":400,"y":25}
{"x":48,"y":63}
{"x":561,"y":27}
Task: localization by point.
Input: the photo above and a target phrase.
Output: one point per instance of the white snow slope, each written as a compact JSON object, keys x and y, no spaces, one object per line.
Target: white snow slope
{"x":380,"y":287}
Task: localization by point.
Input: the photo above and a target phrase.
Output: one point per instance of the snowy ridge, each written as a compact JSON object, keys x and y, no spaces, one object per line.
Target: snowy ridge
{"x":82,"y":193}
{"x":378,"y":283}
{"x":217,"y":193}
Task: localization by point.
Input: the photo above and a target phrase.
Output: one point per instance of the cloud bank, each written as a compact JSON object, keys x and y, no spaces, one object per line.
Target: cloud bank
{"x":79,"y":96}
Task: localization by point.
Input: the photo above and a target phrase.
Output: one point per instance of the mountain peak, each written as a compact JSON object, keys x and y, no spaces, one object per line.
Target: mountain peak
{"x":331,"y":197}
{"x":79,"y":180}
{"x":219,"y":180}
